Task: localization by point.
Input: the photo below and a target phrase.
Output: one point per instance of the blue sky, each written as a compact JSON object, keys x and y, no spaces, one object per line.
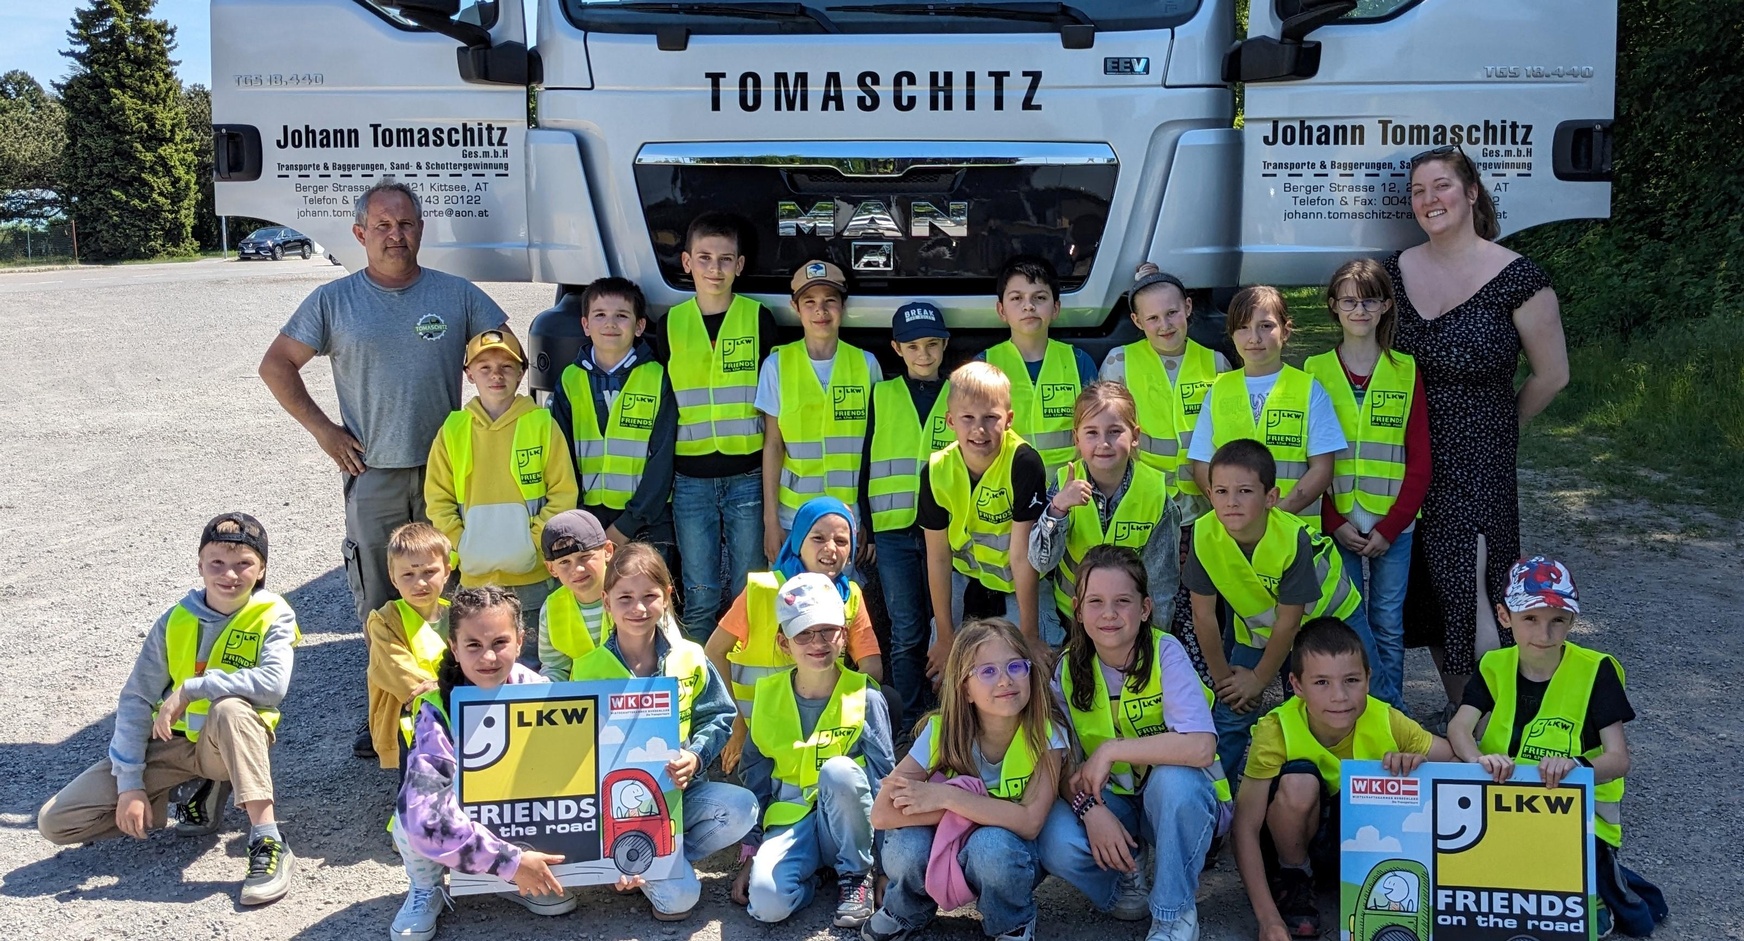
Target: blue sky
{"x":36,"y":31}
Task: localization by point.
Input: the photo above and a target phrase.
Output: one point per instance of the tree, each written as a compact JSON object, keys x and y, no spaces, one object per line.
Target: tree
{"x":130,"y":161}
{"x":33,"y":134}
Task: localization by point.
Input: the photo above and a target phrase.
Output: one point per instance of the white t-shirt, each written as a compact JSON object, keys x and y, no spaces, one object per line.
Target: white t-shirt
{"x":769,"y":379}
{"x":1114,"y":364}
{"x":989,"y":772}
{"x":1325,"y":434}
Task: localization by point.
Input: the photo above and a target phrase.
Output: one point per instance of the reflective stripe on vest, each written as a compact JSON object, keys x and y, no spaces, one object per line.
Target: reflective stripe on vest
{"x":1130,"y":525}
{"x":1284,"y":420}
{"x":715,"y":384}
{"x":1556,"y":728}
{"x":1042,"y":410}
{"x":610,"y":465}
{"x":566,"y":629}
{"x":979,"y":530}
{"x":823,"y":431}
{"x":684,"y":662}
{"x":779,"y":736}
{"x":1168,"y":412}
{"x":758,"y":655}
{"x":1371,"y":469}
{"x":1250,"y":586}
{"x":237,"y":647}
{"x":1373,"y":738}
{"x":901,"y":445}
{"x":532,"y":449}
{"x":1015,"y":769}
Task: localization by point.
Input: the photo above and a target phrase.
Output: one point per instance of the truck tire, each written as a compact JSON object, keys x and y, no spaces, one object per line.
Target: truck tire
{"x":1395,"y":933}
{"x":633,"y":853}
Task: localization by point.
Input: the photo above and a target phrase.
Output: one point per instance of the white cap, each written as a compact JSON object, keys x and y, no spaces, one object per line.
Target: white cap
{"x":808,"y":600}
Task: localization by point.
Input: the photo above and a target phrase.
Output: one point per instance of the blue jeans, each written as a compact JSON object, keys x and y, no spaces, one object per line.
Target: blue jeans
{"x":1235,"y":728}
{"x":837,"y":832}
{"x":1000,"y":867}
{"x":1179,"y":810}
{"x":1047,"y":615}
{"x":716,"y":816}
{"x":902,"y":573}
{"x":1383,"y":594}
{"x":704,"y":511}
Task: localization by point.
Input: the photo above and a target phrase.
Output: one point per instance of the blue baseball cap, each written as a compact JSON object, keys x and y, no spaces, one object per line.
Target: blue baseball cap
{"x":917,"y":321}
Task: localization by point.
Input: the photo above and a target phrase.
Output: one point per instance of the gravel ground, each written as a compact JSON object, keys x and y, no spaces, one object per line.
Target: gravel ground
{"x":140,"y":415}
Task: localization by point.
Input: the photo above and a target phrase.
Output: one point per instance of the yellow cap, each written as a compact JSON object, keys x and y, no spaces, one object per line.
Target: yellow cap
{"x":496,"y":338}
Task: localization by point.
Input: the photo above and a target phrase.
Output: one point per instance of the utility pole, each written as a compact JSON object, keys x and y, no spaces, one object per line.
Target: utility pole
{"x":224,"y":235}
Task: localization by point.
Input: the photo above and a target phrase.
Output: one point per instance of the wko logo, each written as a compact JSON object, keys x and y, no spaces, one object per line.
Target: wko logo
{"x":1384,"y":789}
{"x":655,"y":705}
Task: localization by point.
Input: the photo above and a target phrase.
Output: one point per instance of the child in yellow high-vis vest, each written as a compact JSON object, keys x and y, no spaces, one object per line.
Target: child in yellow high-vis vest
{"x":1558,"y":705}
{"x":819,"y":746}
{"x":200,"y":708}
{"x":574,"y":620}
{"x":1046,"y":375}
{"x":498,"y":470}
{"x":1286,"y":830}
{"x":407,"y":636}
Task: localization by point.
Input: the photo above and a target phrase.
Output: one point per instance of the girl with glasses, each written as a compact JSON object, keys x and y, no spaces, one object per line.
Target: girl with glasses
{"x":962,"y":811}
{"x":1379,"y":480}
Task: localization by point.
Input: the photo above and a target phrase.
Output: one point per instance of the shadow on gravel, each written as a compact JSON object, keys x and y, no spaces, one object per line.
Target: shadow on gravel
{"x":119,"y":870}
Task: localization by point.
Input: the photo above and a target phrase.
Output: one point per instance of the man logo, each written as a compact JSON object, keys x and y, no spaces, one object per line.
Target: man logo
{"x":738,"y":354}
{"x":1132,"y":534}
{"x":1058,"y":399}
{"x":850,"y":403}
{"x":1387,"y":409}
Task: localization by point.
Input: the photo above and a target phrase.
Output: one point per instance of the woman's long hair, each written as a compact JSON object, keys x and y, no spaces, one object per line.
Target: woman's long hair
{"x":1081,"y":650}
{"x":960,"y":723}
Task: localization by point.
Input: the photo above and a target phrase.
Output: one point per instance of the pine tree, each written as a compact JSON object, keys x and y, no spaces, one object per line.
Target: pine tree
{"x":33,"y":135}
{"x":130,"y":160}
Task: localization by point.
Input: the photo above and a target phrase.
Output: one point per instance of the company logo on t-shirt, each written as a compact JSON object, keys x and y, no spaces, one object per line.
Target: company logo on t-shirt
{"x":1283,"y":428}
{"x":1387,"y":409}
{"x":1058,"y":399}
{"x":850,"y":402}
{"x":431,"y":327}
{"x":738,"y":354}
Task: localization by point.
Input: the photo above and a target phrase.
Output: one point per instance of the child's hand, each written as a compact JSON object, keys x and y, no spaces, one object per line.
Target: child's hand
{"x":1349,"y":538}
{"x":628,"y":884}
{"x":1110,"y":845}
{"x":683,"y":768}
{"x":1500,"y":767}
{"x":1073,"y":492}
{"x":1553,"y":769}
{"x":734,"y":748}
{"x":1093,"y":776}
{"x":132,"y":811}
{"x":1402,"y":763}
{"x":921,"y":797}
{"x":173,"y":706}
{"x":868,"y":555}
{"x":773,"y":538}
{"x":741,"y":891}
{"x":1376,"y":546}
{"x":935,"y":662}
{"x":615,"y":536}
{"x":422,"y":688}
{"x":534,"y":876}
{"x":1241,"y":689}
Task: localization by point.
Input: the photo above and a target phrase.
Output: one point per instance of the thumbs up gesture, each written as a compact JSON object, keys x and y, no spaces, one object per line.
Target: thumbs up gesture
{"x":1074,"y":492}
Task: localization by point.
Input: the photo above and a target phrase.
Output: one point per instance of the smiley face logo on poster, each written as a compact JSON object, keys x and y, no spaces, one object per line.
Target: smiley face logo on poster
{"x":529,"y":771}
{"x":1510,"y":861}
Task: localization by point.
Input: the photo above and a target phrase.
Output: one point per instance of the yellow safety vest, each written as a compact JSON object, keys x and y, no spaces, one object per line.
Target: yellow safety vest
{"x":1042,"y":409}
{"x":1556,"y":728}
{"x":566,"y":629}
{"x":1285,"y":420}
{"x":1374,"y":738}
{"x":427,"y":648}
{"x":409,"y":721}
{"x":980,"y":517}
{"x":237,"y":647}
{"x":1250,"y":586}
{"x":1371,"y":468}
{"x":823,"y":431}
{"x":797,"y":756}
{"x":1015,"y":769}
{"x":1168,"y":413}
{"x":901,"y":445}
{"x":758,"y":655}
{"x":531,"y":450}
{"x":684,"y":662}
{"x":1139,"y":714}
{"x":1140,"y":508}
{"x":610,"y":465}
{"x":715,"y":383}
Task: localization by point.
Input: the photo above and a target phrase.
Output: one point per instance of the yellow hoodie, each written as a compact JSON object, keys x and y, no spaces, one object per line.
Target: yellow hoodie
{"x":498,"y":542}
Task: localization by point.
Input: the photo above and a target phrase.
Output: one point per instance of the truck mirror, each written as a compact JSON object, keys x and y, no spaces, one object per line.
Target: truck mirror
{"x":480,"y":60}
{"x":1290,"y":55}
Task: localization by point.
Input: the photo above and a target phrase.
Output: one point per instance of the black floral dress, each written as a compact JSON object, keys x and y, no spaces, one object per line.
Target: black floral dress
{"x":1468,"y":358}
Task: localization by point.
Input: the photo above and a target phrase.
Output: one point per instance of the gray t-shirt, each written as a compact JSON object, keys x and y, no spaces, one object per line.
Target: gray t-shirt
{"x":397,"y":356}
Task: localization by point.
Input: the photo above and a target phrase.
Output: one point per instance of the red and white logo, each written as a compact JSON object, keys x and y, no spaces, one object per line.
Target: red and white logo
{"x":1384,"y":789}
{"x":656,"y":705}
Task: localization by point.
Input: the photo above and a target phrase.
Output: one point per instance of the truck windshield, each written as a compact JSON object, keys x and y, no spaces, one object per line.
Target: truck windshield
{"x":876,"y":16}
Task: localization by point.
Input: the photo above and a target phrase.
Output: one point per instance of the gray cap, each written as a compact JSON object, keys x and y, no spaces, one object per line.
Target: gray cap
{"x":570,"y":532}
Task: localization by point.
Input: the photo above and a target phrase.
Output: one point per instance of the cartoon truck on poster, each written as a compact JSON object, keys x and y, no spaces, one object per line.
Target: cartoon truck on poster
{"x":1394,"y":904}
{"x":638,"y":827}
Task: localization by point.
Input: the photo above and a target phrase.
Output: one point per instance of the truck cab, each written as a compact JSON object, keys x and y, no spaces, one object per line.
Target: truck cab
{"x":916,"y":145}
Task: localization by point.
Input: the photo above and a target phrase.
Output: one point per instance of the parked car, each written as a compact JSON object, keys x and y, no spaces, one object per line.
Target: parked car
{"x":275,"y":242}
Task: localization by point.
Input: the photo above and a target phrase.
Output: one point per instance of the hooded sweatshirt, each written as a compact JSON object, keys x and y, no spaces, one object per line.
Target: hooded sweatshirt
{"x":264,"y":684}
{"x":498,"y":540}
{"x":653,"y":495}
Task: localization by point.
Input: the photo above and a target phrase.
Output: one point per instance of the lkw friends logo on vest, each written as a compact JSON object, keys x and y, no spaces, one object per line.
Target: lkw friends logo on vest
{"x":850,"y":403}
{"x":738,"y":354}
{"x":1283,"y":428}
{"x":638,"y":410}
{"x":994,"y":506}
{"x":1058,"y":399}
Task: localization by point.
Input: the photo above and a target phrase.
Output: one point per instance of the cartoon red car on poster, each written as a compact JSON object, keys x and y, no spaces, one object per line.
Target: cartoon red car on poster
{"x":638,"y":827}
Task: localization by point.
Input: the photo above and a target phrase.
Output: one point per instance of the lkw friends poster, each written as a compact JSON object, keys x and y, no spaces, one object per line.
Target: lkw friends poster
{"x":1449,"y":855}
{"x":576,"y":769}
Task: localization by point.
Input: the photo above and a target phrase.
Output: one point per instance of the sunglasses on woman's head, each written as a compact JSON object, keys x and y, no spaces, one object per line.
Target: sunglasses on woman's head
{"x":988,"y":673}
{"x":1437,"y":153}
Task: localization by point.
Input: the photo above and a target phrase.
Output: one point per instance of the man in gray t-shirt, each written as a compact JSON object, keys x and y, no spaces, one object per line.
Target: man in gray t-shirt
{"x":396,"y":334}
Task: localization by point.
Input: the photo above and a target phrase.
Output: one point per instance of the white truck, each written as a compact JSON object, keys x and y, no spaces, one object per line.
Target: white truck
{"x":918,"y":145}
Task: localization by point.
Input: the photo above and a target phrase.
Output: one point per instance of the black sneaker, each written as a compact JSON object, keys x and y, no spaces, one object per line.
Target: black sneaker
{"x":203,"y":812}
{"x":363,"y":746}
{"x":1293,"y":890}
{"x":270,"y":865}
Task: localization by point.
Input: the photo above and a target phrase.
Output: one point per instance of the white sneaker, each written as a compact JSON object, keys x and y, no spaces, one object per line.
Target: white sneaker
{"x":1023,"y":932}
{"x":417,"y":918}
{"x":546,"y":905}
{"x":1183,"y":928}
{"x":1132,"y":898}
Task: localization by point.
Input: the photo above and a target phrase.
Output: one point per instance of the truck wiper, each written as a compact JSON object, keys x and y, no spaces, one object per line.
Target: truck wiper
{"x":1077,"y":30}
{"x":756,"y":11}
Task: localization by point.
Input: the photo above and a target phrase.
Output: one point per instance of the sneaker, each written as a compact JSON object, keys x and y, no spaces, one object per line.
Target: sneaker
{"x":546,"y":905}
{"x":270,"y":865}
{"x":1294,"y":892}
{"x":1185,"y":927}
{"x":363,"y":746}
{"x":882,"y":927}
{"x":1603,"y":921}
{"x":203,"y":811}
{"x":1132,"y":897}
{"x":1023,"y":932}
{"x":853,"y":900}
{"x":417,"y":918}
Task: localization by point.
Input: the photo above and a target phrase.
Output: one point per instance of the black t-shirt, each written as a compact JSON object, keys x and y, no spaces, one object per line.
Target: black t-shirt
{"x":1029,"y":492}
{"x":1607,"y":705}
{"x":716,"y":465}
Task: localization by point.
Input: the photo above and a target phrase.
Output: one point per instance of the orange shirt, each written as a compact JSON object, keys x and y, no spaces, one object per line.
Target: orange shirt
{"x":862,"y":643}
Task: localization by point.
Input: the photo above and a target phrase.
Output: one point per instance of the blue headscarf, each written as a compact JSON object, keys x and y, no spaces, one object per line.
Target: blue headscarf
{"x":788,"y":562}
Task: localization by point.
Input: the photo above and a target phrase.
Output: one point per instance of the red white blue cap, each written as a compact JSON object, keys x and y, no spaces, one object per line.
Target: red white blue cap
{"x":1541,"y":582}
